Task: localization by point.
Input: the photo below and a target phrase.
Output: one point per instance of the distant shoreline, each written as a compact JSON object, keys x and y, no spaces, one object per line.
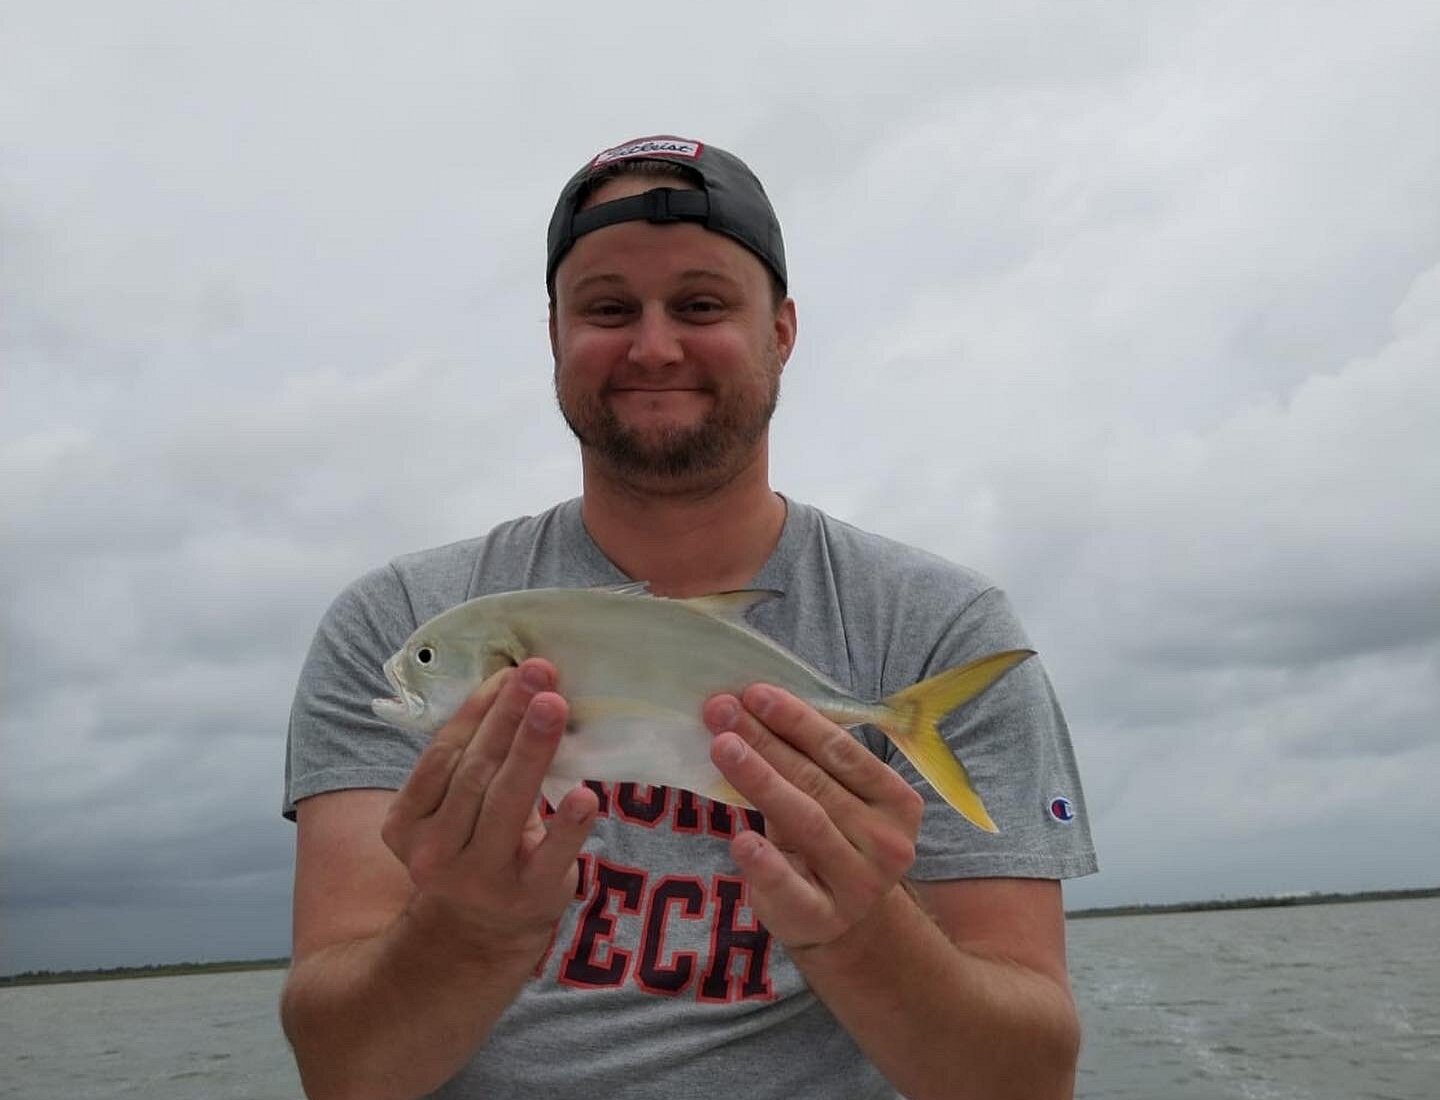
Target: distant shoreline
{"x":169,"y":970}
{"x":1273,"y":901}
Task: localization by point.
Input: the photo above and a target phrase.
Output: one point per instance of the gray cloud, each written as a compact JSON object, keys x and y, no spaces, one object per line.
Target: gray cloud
{"x":1139,"y":313}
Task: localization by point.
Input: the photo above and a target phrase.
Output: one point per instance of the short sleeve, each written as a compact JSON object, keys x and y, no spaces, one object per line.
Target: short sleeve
{"x":1015,"y":745}
{"x":335,"y":740}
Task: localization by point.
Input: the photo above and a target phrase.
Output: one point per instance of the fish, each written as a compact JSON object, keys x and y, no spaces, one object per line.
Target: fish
{"x":636,"y":668}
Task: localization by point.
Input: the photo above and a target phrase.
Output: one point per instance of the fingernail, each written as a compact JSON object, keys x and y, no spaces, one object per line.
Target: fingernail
{"x":726,"y":713}
{"x":760,"y":699}
{"x":535,"y":678}
{"x":544,"y":719}
{"x":731,"y":750}
{"x":747,"y":845}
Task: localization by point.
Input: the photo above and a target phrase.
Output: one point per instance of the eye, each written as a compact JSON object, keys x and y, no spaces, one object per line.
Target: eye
{"x":607,"y":311}
{"x":425,"y":655}
{"x":701,"y":310}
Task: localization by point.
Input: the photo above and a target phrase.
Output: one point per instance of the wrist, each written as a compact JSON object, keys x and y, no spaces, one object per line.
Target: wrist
{"x":871,"y":936}
{"x":438,"y":927}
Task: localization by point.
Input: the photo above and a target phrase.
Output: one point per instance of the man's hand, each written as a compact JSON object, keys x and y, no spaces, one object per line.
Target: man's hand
{"x":840,"y":825}
{"x":466,"y":823}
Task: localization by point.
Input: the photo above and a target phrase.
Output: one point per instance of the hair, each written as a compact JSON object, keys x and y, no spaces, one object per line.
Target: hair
{"x":663,"y":170}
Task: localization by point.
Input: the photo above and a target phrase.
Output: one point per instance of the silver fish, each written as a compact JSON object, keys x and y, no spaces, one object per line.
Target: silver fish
{"x":636,"y":669}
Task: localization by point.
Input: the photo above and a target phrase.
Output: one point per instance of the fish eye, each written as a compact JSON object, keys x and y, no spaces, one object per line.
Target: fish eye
{"x":425,"y":655}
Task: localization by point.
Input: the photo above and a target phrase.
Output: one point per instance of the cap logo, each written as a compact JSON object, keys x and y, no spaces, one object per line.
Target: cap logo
{"x":1062,"y":810}
{"x":660,"y":145}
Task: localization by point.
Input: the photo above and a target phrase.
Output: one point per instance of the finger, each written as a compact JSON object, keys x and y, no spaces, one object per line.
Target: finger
{"x":515,"y":790}
{"x":552,"y":859}
{"x":799,"y":769}
{"x":837,"y":751}
{"x":497,"y":729}
{"x":791,"y":907}
{"x":424,"y":789}
{"x":483,"y":756}
{"x":789,"y":812}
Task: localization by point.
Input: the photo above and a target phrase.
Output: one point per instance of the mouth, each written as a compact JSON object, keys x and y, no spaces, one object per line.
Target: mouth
{"x":406,"y":706}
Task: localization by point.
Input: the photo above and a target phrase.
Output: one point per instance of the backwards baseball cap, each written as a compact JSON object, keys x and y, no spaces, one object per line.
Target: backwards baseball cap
{"x":730,"y":201}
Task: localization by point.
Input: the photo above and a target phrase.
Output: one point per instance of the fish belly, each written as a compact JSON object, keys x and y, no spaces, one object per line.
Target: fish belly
{"x":636,"y":672}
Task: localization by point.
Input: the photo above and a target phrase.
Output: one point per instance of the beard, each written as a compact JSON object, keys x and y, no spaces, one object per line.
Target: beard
{"x":712,"y":450}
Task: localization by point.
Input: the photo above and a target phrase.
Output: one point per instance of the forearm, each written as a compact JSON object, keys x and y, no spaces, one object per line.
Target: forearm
{"x":394,"y":1016}
{"x":941,"y":1022}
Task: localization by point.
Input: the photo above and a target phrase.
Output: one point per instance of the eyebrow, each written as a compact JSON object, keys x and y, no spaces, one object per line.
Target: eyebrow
{"x":709,"y":273}
{"x":690,"y":275}
{"x":592,"y":280}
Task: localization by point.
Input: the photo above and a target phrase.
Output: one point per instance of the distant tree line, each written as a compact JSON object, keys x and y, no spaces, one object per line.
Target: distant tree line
{"x":1273,"y":901}
{"x":152,"y":970}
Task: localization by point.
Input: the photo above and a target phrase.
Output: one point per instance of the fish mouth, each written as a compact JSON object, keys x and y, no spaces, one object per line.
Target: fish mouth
{"x":406,"y":707}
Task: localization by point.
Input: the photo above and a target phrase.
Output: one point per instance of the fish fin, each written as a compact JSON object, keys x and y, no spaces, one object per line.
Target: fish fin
{"x":913,"y":726}
{"x":722,"y":791}
{"x":731,"y":606}
{"x":555,"y":789}
{"x":501,"y":651}
{"x":625,"y":588}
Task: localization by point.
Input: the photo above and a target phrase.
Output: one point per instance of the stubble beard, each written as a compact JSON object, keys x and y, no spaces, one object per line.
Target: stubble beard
{"x":679,"y":458}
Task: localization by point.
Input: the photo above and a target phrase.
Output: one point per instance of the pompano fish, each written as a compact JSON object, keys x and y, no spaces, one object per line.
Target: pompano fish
{"x":636,"y":669}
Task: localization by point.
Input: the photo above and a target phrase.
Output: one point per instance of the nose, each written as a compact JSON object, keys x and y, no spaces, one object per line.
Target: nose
{"x":655,"y":340}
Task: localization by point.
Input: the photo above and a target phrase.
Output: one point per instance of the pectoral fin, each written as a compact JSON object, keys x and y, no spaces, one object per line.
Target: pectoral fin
{"x":722,"y":791}
{"x":504,"y":651}
{"x":731,"y":606}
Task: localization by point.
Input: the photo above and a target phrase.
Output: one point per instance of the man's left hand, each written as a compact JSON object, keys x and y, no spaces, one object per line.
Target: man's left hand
{"x":840,"y":824}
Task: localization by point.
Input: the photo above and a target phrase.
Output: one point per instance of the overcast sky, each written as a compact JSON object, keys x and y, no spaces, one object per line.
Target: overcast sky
{"x":1133,"y":306}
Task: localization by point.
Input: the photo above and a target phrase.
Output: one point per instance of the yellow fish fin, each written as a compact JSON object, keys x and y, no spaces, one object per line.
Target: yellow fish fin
{"x":913,"y":725}
{"x":721,"y":791}
{"x":731,"y":606}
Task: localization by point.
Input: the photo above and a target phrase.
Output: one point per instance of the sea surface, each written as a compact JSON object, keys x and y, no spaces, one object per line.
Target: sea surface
{"x":1325,"y":1002}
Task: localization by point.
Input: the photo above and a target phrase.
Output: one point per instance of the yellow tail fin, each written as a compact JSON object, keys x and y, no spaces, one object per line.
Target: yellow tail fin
{"x":913,"y":726}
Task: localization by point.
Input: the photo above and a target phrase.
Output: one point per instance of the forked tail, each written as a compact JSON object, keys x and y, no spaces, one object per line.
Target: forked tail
{"x":913,"y":724}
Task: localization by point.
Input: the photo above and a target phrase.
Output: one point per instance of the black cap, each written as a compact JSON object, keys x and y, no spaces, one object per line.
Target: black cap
{"x":731,"y":201}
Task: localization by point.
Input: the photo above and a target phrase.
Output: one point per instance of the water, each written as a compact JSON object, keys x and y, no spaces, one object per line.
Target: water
{"x":1325,"y":1002}
{"x":1334,"y":1002}
{"x":215,"y":1036}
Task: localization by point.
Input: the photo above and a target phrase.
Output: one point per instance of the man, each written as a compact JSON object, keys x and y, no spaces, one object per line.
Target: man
{"x":854,"y":937}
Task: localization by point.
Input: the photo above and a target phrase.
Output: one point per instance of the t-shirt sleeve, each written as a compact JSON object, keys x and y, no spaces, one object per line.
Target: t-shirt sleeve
{"x":335,"y":740}
{"x":1015,"y":745}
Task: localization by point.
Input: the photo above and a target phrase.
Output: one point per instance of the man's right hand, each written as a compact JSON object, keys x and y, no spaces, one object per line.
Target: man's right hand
{"x":466,"y":823}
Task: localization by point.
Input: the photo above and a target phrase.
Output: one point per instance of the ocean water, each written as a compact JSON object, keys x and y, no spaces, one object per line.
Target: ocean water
{"x":1332,"y":1002}
{"x":1323,"y":1002}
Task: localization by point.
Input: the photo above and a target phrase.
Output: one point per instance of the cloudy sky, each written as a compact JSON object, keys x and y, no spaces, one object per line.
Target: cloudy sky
{"x":1133,"y":306}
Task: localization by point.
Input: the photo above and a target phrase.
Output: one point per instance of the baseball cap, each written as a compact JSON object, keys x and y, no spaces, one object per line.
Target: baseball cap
{"x":730,"y":201}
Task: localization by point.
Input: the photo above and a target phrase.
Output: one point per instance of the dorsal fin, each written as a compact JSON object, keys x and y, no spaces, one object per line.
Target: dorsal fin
{"x":731,"y":606}
{"x":625,"y":588}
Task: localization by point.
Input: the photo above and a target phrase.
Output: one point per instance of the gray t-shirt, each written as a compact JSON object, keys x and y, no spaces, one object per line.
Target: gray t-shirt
{"x":660,"y":982}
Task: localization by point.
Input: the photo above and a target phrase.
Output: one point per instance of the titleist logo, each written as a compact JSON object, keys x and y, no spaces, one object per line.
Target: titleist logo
{"x":649,"y":147}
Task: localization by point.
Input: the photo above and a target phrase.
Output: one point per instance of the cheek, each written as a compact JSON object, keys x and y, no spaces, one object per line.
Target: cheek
{"x":586,"y":350}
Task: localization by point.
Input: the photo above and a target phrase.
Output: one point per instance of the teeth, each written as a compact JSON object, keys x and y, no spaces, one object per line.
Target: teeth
{"x":405,"y":698}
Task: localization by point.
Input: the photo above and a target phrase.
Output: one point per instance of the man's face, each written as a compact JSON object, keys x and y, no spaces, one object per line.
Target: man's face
{"x":668,"y":349}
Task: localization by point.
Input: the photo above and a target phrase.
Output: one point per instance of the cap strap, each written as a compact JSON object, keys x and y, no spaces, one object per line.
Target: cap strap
{"x":662,"y":204}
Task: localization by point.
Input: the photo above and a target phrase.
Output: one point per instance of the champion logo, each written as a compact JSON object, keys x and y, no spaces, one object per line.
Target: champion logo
{"x":661,"y":144}
{"x":1062,"y":810}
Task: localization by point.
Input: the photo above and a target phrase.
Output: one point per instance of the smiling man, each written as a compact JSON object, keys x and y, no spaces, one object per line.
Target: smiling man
{"x":850,"y":937}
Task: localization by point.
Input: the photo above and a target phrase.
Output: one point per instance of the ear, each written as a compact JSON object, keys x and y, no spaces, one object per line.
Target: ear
{"x":786,"y":329}
{"x":554,"y":339}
